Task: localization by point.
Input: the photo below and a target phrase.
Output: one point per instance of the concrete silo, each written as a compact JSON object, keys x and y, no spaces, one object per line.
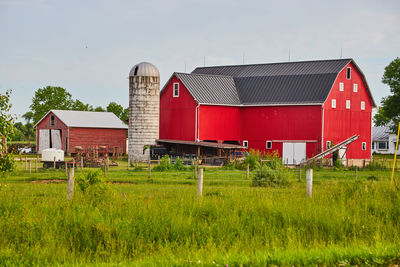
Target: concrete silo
{"x":144,"y":109}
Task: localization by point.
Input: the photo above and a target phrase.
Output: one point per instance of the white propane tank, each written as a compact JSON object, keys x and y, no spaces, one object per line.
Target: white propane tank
{"x":49,"y":154}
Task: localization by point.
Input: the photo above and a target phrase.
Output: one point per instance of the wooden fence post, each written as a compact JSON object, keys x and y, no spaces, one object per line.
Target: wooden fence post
{"x":66,"y":168}
{"x":104,"y":168}
{"x":149,"y":167}
{"x":26,"y":164}
{"x":54,"y":163}
{"x":356,"y":173}
{"x":129,"y":163}
{"x":299,"y":173}
{"x":309,"y":175}
{"x":200,"y":183}
{"x":71,"y":180}
{"x":247,"y":171}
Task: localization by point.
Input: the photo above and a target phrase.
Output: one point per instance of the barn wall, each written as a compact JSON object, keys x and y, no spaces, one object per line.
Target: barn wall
{"x":177,"y":114}
{"x":220,"y":123}
{"x":282,"y":123}
{"x":87,"y":137}
{"x":341,"y":123}
{"x":58,"y":125}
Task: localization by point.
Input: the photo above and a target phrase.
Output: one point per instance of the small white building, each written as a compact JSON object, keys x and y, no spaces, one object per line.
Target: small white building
{"x":384,"y":141}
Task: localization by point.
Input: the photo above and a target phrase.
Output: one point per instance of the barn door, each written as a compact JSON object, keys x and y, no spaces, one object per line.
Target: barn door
{"x":44,"y":140}
{"x":293,"y":153}
{"x":56,"y":139}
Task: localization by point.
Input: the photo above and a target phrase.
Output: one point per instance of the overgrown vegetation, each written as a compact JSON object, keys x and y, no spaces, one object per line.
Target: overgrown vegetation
{"x":6,"y":130}
{"x":166,"y":165}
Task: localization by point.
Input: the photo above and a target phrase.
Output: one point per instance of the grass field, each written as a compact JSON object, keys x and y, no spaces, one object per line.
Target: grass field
{"x":160,"y":221}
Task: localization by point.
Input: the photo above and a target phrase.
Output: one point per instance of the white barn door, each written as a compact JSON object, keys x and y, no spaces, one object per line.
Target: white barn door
{"x":56,"y":139}
{"x":293,"y":153}
{"x":44,"y":140}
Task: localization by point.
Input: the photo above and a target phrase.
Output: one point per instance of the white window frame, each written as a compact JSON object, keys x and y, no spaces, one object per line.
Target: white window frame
{"x":364,"y":145}
{"x":348,"y":73}
{"x":270,"y":144}
{"x":333,"y":103}
{"x":173,"y":90}
{"x":348,"y":104}
{"x":328,"y":144}
{"x":362,"y":105}
{"x":245,"y":143}
{"x":355,"y":87}
{"x":341,"y":87}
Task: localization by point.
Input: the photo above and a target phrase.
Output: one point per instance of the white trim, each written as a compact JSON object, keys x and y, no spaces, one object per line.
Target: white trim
{"x":348,"y":104}
{"x":341,"y":87}
{"x":348,"y":78}
{"x":322,"y":129}
{"x":173,"y":90}
{"x":294,"y":141}
{"x":245,"y":143}
{"x":260,"y":105}
{"x":333,"y":103}
{"x":355,"y":87}
{"x":266,"y":144}
{"x":196,"y":130}
{"x":362,"y":105}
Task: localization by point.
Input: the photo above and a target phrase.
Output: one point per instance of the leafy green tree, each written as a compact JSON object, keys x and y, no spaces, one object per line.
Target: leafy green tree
{"x":79,"y":105}
{"x":28,"y":116}
{"x":6,"y":130}
{"x":389,"y":112}
{"x":115,"y":108}
{"x":125,"y":115}
{"x":99,"y":109}
{"x":50,"y":97}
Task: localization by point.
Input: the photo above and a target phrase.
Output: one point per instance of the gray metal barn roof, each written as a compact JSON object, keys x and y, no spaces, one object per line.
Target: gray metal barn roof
{"x":87,"y":119}
{"x":380,"y":133}
{"x":306,"y":82}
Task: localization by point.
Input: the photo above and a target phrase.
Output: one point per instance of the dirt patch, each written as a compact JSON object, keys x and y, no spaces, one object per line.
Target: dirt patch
{"x":52,"y":181}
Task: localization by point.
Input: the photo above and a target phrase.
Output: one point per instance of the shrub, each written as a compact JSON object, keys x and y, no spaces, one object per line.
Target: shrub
{"x":252,"y":159}
{"x":266,"y":176}
{"x":179,"y":165}
{"x":92,"y":185}
{"x":7,"y":163}
{"x":274,"y":161}
{"x":164,"y":165}
{"x":374,"y":166}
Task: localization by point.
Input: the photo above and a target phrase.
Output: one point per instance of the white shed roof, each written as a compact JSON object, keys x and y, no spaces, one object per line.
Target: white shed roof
{"x":87,"y":119}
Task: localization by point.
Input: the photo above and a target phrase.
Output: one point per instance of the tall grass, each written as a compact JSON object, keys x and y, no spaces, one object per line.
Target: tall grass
{"x":345,"y":222}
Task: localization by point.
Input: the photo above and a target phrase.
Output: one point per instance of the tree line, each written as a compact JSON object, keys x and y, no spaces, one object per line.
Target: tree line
{"x":53,"y":97}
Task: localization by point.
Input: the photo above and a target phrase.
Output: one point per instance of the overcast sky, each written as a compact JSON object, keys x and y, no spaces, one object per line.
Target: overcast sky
{"x":89,"y":47}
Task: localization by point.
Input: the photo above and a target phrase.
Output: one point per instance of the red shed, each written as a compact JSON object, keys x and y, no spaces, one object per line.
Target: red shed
{"x":66,"y":129}
{"x":295,"y":108}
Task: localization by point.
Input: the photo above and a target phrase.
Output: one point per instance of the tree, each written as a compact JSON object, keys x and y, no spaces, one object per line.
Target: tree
{"x":6,"y":130}
{"x":389,"y":112}
{"x":28,"y":116}
{"x":99,"y":109}
{"x":48,"y":98}
{"x":79,"y":105}
{"x":115,"y":108}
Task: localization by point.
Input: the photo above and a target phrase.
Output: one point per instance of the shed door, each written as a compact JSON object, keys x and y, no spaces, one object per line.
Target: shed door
{"x":44,"y":140}
{"x":56,"y":139}
{"x":293,"y":153}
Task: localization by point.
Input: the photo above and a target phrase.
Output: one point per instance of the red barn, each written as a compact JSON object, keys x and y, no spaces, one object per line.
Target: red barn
{"x":295,"y":108}
{"x":66,"y":129}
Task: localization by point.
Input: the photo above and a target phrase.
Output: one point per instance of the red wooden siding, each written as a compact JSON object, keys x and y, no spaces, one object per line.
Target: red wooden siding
{"x":282,"y":123}
{"x":58,"y":125}
{"x":341,"y":123}
{"x":177,"y":114}
{"x":87,"y":137}
{"x":220,"y":123}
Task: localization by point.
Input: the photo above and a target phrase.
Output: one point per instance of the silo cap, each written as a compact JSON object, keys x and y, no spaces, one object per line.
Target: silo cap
{"x":144,"y":69}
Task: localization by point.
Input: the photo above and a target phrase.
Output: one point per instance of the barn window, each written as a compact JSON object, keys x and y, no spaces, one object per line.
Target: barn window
{"x":176,"y":89}
{"x":245,"y":143}
{"x":383,"y":145}
{"x":364,"y":146}
{"x":341,"y":87}
{"x":333,"y":103}
{"x":52,"y":120}
{"x":355,"y":88}
{"x":269,"y":144}
{"x":347,"y":104}
{"x":348,"y":73}
{"x":328,"y":144}
{"x":362,"y":105}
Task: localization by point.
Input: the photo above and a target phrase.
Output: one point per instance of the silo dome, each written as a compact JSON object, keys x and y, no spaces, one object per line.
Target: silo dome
{"x":144,"y":69}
